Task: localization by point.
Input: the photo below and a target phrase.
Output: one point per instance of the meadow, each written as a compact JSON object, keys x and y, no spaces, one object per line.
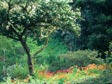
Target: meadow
{"x":55,"y":41}
{"x":56,"y":66}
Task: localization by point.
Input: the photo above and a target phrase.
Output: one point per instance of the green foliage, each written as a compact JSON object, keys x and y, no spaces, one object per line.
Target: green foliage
{"x":10,"y":48}
{"x":104,"y":78}
{"x":17,"y":71}
{"x":96,"y":27}
{"x":109,"y":59}
{"x":109,"y":54}
{"x":98,"y":77}
{"x":61,"y":81}
{"x":20,"y":20}
{"x":10,"y":53}
{"x":32,"y":81}
{"x":77,"y":58}
{"x":6,"y":47}
{"x":54,"y":48}
{"x":110,"y":46}
{"x":81,"y":58}
{"x":32,"y":22}
{"x":36,"y":19}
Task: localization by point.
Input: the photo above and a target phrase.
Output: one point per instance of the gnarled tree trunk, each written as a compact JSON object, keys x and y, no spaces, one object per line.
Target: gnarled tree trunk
{"x":27,"y":50}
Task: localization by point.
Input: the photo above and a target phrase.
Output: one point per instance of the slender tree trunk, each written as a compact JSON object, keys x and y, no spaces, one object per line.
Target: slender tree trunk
{"x":30,"y":65}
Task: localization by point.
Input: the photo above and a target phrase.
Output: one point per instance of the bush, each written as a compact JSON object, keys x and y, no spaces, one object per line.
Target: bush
{"x":78,"y":58}
{"x":17,"y":71}
{"x":109,"y":59}
{"x":109,"y":54}
{"x":81,"y":58}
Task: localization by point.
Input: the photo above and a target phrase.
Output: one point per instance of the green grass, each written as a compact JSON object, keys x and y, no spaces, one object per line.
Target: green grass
{"x":79,"y":77}
{"x":52,"y":58}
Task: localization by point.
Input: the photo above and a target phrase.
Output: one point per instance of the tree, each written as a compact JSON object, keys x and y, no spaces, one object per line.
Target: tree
{"x":96,"y":27}
{"x":20,"y":19}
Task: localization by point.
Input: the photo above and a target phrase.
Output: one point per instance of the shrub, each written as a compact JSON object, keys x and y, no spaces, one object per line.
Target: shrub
{"x":10,"y":52}
{"x":109,"y":59}
{"x":17,"y":71}
{"x":81,"y":58}
{"x":77,"y":58}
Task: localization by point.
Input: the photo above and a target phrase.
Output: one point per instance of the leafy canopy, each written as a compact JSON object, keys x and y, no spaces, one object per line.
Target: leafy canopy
{"x":37,"y":19}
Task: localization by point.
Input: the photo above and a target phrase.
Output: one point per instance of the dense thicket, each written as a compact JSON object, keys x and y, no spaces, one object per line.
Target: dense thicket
{"x":96,"y":26}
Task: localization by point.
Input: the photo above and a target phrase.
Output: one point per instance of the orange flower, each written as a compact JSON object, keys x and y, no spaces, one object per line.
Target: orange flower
{"x":48,"y":74}
{"x":14,"y":81}
{"x":101,"y":67}
{"x":92,"y":66}
{"x":68,"y":83}
{"x":62,"y":75}
{"x":27,"y":79}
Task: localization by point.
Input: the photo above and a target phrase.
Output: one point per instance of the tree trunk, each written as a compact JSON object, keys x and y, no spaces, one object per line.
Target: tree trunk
{"x":30,"y":65}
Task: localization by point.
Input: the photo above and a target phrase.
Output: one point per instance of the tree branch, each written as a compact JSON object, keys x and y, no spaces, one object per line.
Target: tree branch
{"x":13,"y":29}
{"x":9,"y":7}
{"x":13,"y":38}
{"x":8,"y":20}
{"x":46,"y":42}
{"x":41,"y":49}
{"x":23,"y":32}
{"x":24,"y":8}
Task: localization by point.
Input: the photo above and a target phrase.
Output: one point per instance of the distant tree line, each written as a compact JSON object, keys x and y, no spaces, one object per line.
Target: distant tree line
{"x":96,"y":26}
